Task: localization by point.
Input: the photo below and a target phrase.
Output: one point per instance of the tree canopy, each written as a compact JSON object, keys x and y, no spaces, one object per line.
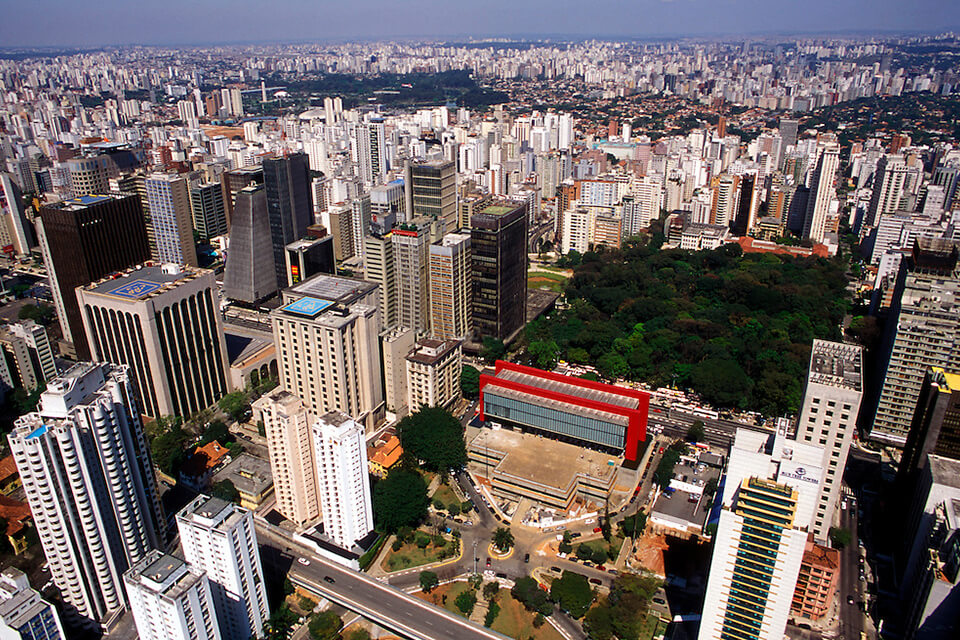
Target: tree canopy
{"x":469,"y":382}
{"x":434,"y":437}
{"x":622,"y":612}
{"x":325,"y":625}
{"x":572,"y":593}
{"x":400,"y":500}
{"x":734,"y":327}
{"x":526,"y":591}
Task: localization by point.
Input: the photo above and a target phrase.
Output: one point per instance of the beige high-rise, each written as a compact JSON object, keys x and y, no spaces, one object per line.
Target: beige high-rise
{"x":450,"y":291}
{"x":287,"y":425}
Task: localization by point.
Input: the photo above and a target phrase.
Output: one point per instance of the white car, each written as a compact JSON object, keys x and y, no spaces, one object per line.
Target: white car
{"x":304,"y":562}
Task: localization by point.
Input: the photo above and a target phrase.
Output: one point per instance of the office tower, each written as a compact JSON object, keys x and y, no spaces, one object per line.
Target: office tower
{"x":395,"y":344}
{"x":24,"y":615}
{"x":947,"y":178}
{"x":169,"y":201}
{"x":86,"y":469}
{"x":88,"y":176}
{"x":388,"y":199}
{"x":433,"y":373}
{"x":328,"y":352}
{"x":471,"y":203}
{"x":218,"y":538}
{"x":930,"y":583}
{"x":411,"y":257}
{"x":306,"y":258}
{"x":821,"y":191}
{"x":380,"y":267}
{"x":450,"y":287}
{"x":747,"y":203}
{"x":342,"y":476}
{"x":286,"y":424}
{"x":935,"y":428}
{"x":371,"y":152}
{"x":209,"y":214}
{"x":83,"y":240}
{"x":431,"y":191}
{"x":788,"y":131}
{"x":26,"y":359}
{"x":164,"y":323}
{"x":16,"y":231}
{"x":333,"y":108}
{"x":287,"y":181}
{"x":233,"y":181}
{"x":170,"y":600}
{"x":769,"y":498}
{"x":359,"y":221}
{"x":338,"y":220}
{"x":888,"y":184}
{"x":249,"y":275}
{"x":923,"y":331}
{"x":828,"y":419}
{"x":498,"y":250}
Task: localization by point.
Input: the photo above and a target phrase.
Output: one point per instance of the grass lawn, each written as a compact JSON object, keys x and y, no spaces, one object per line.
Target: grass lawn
{"x":652,"y":627}
{"x":546,"y":280}
{"x":450,"y":590}
{"x":602,"y":544}
{"x":410,"y":555}
{"x":446,"y":495}
{"x":515,"y":621}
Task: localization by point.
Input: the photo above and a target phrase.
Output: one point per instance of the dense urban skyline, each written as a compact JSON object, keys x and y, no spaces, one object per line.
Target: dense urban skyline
{"x":53,"y":23}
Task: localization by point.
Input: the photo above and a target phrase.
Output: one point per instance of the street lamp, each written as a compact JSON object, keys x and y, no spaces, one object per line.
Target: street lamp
{"x":475,"y":557}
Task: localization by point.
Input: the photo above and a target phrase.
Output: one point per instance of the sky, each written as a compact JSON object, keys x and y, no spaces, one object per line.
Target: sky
{"x":30,"y":23}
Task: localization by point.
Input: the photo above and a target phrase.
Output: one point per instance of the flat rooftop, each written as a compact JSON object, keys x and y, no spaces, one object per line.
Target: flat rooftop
{"x":569,"y":388}
{"x":82,"y":202}
{"x":497,"y":210}
{"x":836,"y":364}
{"x":141,"y":282}
{"x":544,"y":461}
{"x":162,"y":568}
{"x":248,"y":474}
{"x":334,"y":288}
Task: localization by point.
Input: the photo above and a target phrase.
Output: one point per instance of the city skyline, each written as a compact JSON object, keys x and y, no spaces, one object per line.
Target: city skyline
{"x":58,"y":24}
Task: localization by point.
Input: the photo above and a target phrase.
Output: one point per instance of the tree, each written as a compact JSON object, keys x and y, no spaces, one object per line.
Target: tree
{"x":545,"y":353}
{"x":218,"y":431}
{"x":40,"y":313}
{"x":503,"y":539}
{"x":434,"y":436}
{"x":711,"y":487}
{"x":225,"y":490}
{"x":400,"y":500}
{"x":584,"y":552}
{"x":634,"y":525}
{"x":281,"y":623}
{"x":493,"y":349}
{"x":428,"y":581}
{"x":493,"y":610}
{"x":840,"y":537}
{"x":325,"y":625}
{"x":454,"y":508}
{"x":490,"y":590}
{"x":696,"y":432}
{"x":527,"y":592}
{"x":169,"y":449}
{"x":565,"y":548}
{"x":469,"y":382}
{"x":572,"y":592}
{"x":357,"y":634}
{"x":466,"y":601}
{"x":422,"y":540}
{"x":234,"y":405}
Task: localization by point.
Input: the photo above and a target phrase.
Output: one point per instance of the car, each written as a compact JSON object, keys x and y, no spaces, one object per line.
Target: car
{"x":526,"y":557}
{"x":556,"y":569}
{"x":597,"y":529}
{"x":575,"y":535}
{"x":849,"y":599}
{"x":328,"y":579}
{"x":304,"y":562}
{"x":659,"y":601}
{"x":468,"y":523}
{"x":590,"y":521}
{"x":613,"y":572}
{"x":488,"y":562}
{"x":502,"y":576}
{"x":661,"y":449}
{"x":601,"y":567}
{"x":596,"y":581}
{"x":587,"y":563}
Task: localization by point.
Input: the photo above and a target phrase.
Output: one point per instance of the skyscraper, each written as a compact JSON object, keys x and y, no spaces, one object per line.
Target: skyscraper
{"x":15,"y":229}
{"x":287,"y":425}
{"x":923,"y":331}
{"x":433,"y":373}
{"x":169,"y":199}
{"x":26,"y":359}
{"x":431,"y":191}
{"x":828,"y":419}
{"x":451,"y":287}
{"x":342,"y":476}
{"x":235,"y":180}
{"x":498,"y":249}
{"x":249,"y":275}
{"x":888,"y":184}
{"x":170,"y":600}
{"x":371,"y":151}
{"x":86,"y":470}
{"x":821,"y":191}
{"x":209,"y":213}
{"x":788,"y":131}
{"x":164,"y":323}
{"x":380,"y":267}
{"x":218,"y":538}
{"x":83,"y":240}
{"x":24,"y":615}
{"x":287,"y":181}
{"x":411,"y":256}
{"x":936,"y":423}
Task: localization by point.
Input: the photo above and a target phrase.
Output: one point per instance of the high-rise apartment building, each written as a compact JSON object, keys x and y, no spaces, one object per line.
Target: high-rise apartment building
{"x":341,"y":452}
{"x":498,"y":252}
{"x":769,"y":498}
{"x":451,"y":287}
{"x":169,"y":199}
{"x":218,"y":538}
{"x":287,"y":181}
{"x":164,"y":323}
{"x":789,"y":127}
{"x":85,"y":466}
{"x":821,"y":191}
{"x":16,"y":232}
{"x":326,"y":335}
{"x":287,"y":424}
{"x":935,"y":428}
{"x":371,"y":151}
{"x":249,"y":274}
{"x":888,"y":183}
{"x":411,"y":257}
{"x":170,"y":600}
{"x":26,"y":359}
{"x":431,"y":192}
{"x":828,"y":419}
{"x":433,"y":373}
{"x":380,"y":268}
{"x":83,"y":240}
{"x":923,"y":331}
{"x":24,"y":615}
{"x":395,"y":344}
{"x":208,"y":210}
{"x":338,"y":220}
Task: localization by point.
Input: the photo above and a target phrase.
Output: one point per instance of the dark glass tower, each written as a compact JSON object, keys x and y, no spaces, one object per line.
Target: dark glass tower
{"x":498,"y":242}
{"x":287,"y":181}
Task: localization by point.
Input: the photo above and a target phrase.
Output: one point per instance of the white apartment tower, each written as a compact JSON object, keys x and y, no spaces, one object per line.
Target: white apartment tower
{"x":821,"y":192}
{"x":342,"y":472}
{"x":86,"y":470}
{"x":290,"y":442}
{"x":170,"y":600}
{"x":889,"y":179}
{"x":24,"y":615}
{"x":828,"y":419}
{"x":218,"y":538}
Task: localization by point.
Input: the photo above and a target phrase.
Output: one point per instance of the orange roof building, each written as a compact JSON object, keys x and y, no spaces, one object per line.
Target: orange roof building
{"x":9,"y":476}
{"x":198,"y":470}
{"x":18,"y":517}
{"x":817,"y":582}
{"x":384,"y":457}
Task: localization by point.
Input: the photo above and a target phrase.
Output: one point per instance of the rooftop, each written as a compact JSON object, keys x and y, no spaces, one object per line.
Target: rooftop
{"x":836,"y":364}
{"x":497,"y":210}
{"x":249,"y":474}
{"x":429,"y":351}
{"x":334,"y":288}
{"x":142,"y":281}
{"x":945,"y":471}
{"x":571,"y":387}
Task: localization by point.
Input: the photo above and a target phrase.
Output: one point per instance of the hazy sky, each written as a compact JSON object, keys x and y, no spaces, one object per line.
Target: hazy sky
{"x":96,"y":22}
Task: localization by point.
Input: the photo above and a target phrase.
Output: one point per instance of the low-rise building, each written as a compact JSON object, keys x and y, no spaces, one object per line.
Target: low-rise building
{"x":433,"y":373}
{"x":9,"y":476}
{"x":252,"y":478}
{"x":817,"y":582}
{"x":683,"y":508}
{"x":383,"y":456}
{"x":200,"y":467}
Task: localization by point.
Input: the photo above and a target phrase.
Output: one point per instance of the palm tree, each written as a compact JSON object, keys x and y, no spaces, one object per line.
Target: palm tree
{"x":503,"y":539}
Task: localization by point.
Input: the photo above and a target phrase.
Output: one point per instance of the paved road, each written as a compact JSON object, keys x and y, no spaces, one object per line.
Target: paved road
{"x":851,"y":616}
